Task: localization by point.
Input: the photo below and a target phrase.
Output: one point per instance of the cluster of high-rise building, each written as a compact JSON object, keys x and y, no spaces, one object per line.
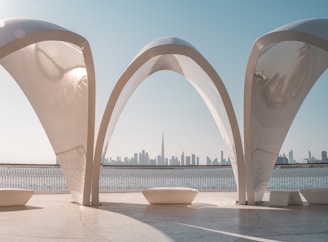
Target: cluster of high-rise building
{"x":142,"y":159}
{"x":282,"y":159}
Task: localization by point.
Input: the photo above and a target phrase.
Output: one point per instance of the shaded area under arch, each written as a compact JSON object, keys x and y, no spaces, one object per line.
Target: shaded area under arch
{"x":176,"y":55}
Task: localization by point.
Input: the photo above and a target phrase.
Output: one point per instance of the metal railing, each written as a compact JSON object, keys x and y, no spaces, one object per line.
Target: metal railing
{"x":50,"y":179}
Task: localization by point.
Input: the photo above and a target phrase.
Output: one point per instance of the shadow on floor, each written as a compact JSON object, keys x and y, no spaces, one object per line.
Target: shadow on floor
{"x":208,"y":222}
{"x":17,"y":208}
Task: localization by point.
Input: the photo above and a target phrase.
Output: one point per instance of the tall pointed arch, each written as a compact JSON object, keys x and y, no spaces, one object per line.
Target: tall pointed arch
{"x":283,"y":66}
{"x":54,"y":68}
{"x":176,"y":55}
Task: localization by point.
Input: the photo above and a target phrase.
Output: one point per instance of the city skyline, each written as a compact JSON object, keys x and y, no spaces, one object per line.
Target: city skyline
{"x":143,"y":158}
{"x":153,"y":161}
{"x":173,"y":159}
{"x":165,"y":101}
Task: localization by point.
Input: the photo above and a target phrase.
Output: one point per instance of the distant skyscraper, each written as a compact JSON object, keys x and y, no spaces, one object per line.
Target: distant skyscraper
{"x":182,"y":159}
{"x":222,"y":159}
{"x":282,"y":160}
{"x":193,"y":159}
{"x":162,"y":153}
{"x":187,"y":160}
{"x":324,"y":156}
{"x":310,"y":156}
{"x":291,"y":157}
{"x":208,"y":161}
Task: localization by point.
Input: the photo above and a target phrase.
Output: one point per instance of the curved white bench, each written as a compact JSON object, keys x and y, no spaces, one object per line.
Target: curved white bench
{"x":285,"y":198}
{"x":14,"y":197}
{"x":170,"y":195}
{"x":316,"y":195}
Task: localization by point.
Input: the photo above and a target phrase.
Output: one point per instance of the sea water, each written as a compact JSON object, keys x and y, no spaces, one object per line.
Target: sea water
{"x":208,"y":178}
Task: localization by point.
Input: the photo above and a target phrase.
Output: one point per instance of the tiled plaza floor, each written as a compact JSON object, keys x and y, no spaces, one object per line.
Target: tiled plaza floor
{"x":128,"y":217}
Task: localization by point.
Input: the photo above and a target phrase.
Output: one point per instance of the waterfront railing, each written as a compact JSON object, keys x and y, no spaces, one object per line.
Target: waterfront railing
{"x":49,"y":179}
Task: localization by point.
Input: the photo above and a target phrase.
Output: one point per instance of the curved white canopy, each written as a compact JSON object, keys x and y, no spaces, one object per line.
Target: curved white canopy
{"x":176,"y":55}
{"x":283,"y":66}
{"x":54,"y":68}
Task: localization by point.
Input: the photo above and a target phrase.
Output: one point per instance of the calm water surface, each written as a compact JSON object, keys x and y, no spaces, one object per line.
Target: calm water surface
{"x":50,"y":178}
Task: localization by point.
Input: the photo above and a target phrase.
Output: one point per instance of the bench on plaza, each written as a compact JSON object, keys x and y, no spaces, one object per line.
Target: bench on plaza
{"x":14,"y":196}
{"x":170,"y":195}
{"x":315,"y":195}
{"x":284,"y":198}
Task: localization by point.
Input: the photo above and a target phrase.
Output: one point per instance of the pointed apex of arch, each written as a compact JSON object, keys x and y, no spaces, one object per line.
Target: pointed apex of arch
{"x":315,"y":27}
{"x":174,"y":54}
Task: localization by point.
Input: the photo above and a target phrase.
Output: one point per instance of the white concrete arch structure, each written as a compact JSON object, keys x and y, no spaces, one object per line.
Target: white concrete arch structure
{"x":179,"y":56}
{"x":54,"y":68}
{"x":283,"y":66}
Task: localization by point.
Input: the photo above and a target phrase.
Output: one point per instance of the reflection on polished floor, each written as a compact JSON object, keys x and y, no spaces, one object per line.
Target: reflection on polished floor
{"x":128,"y":217}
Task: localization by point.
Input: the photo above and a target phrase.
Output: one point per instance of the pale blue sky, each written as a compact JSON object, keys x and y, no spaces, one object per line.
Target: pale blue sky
{"x":223,"y":31}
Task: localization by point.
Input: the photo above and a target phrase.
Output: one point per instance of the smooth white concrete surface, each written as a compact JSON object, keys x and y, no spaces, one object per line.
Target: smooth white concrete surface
{"x":316,"y":195}
{"x":285,"y":198}
{"x":170,"y":195}
{"x":128,"y":217}
{"x":177,"y":55}
{"x":54,"y":68}
{"x":287,"y":60}
{"x":14,"y":197}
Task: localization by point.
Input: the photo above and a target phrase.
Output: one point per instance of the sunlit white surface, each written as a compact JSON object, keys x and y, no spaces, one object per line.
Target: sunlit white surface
{"x":170,"y":195}
{"x":282,"y":68}
{"x":212,"y":217}
{"x":54,"y":68}
{"x":14,"y":197}
{"x":176,"y":55}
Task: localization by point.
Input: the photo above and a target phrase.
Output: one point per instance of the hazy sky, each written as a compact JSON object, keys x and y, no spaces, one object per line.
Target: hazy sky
{"x":223,"y":31}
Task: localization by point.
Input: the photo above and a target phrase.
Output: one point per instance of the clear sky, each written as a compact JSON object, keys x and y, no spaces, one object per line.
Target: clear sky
{"x":223,"y":31}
